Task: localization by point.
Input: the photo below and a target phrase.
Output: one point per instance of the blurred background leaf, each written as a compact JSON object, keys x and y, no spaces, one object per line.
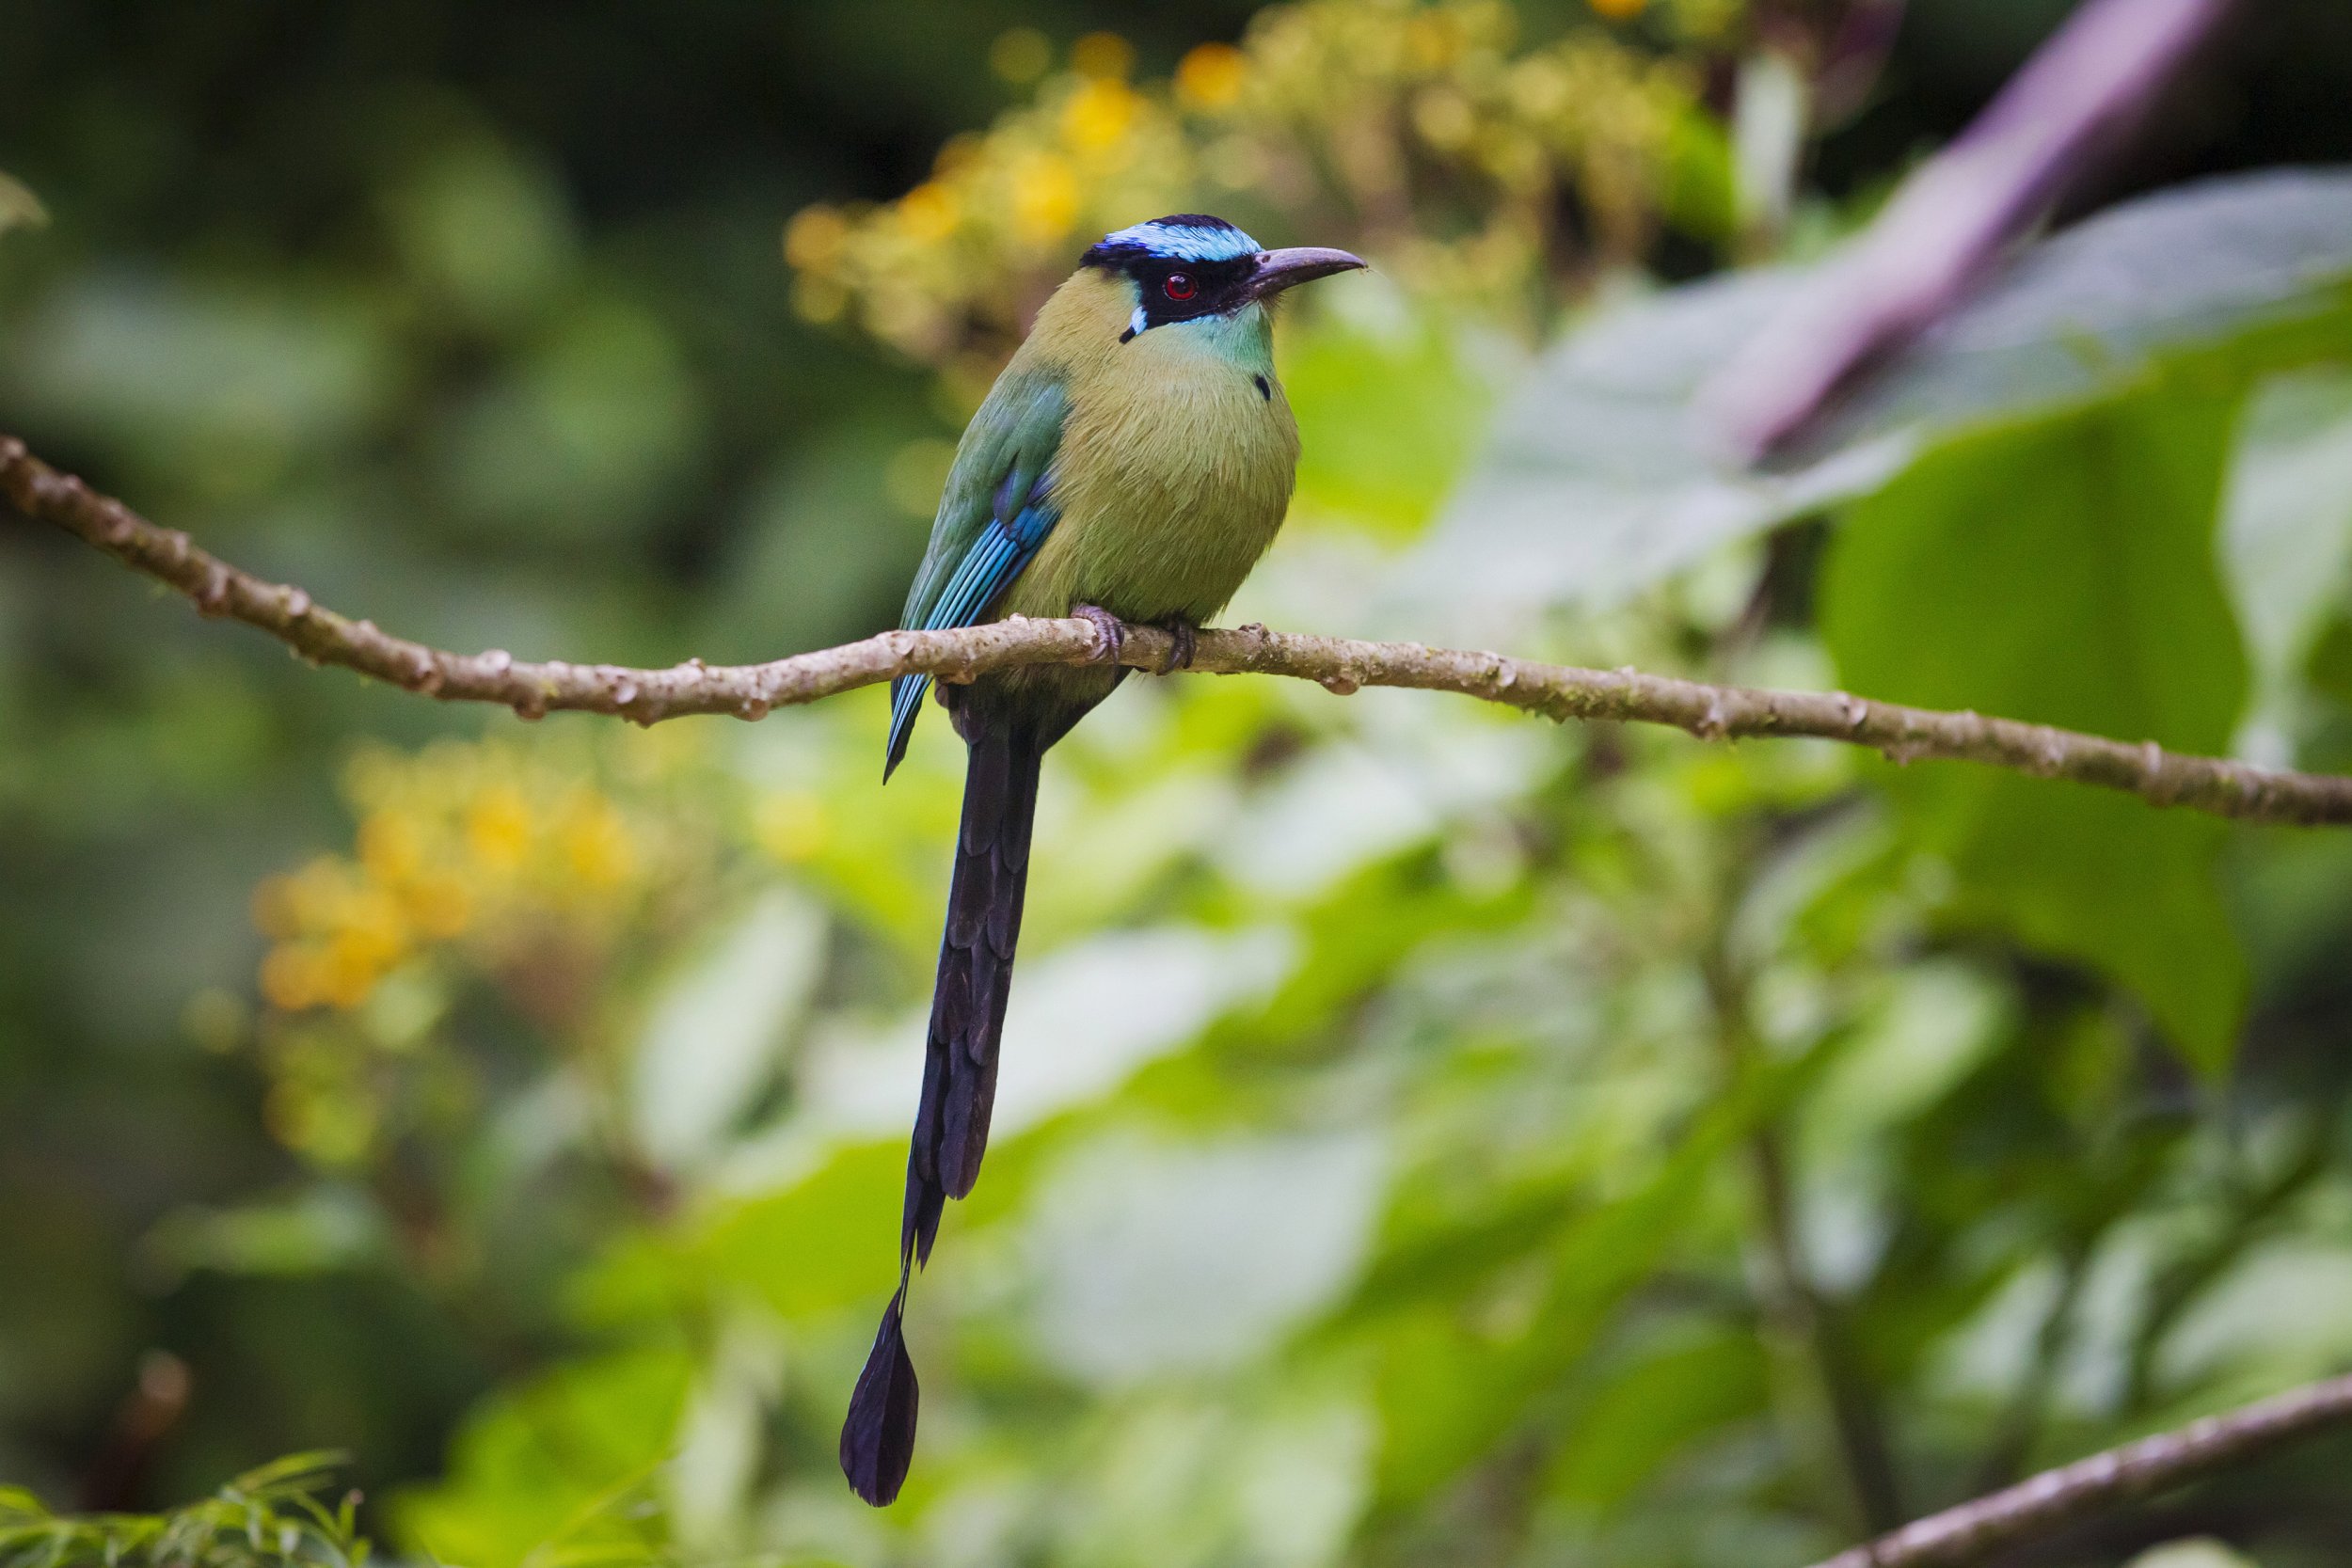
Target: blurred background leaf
{"x":19,"y":207}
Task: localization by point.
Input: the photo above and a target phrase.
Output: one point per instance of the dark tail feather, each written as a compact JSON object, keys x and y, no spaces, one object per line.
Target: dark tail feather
{"x":958,"y":1075}
{"x":975,"y":979}
{"x":877,"y":1440}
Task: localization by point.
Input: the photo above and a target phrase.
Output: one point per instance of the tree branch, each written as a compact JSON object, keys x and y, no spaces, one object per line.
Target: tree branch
{"x":1342,"y":664}
{"x":2055,"y":1498}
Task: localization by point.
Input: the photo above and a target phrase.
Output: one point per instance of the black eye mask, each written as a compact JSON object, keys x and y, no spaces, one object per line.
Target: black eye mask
{"x":1170,"y":291}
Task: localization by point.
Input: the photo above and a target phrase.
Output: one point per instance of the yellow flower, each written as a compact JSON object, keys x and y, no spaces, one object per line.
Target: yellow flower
{"x":351,"y":964}
{"x":273,"y":909}
{"x":958,"y":154}
{"x":1444,"y":118}
{"x":1430,"y":42}
{"x":814,"y":236}
{"x":392,"y":847}
{"x":927,"y":213}
{"x":372,"y":914}
{"x":908,"y":318}
{"x":1099,"y":114}
{"x":1020,"y":56}
{"x":1105,"y":57}
{"x":290,"y":977}
{"x":1211,"y":76}
{"x":595,"y":841}
{"x":498,"y":826}
{"x":1045,"y":198}
{"x":438,"y":905}
{"x":1539,"y":88}
{"x":820,"y":303}
{"x":293,"y":905}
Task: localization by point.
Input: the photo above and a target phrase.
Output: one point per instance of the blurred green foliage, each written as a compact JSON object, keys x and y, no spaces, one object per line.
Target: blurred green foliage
{"x":1426,"y":1136}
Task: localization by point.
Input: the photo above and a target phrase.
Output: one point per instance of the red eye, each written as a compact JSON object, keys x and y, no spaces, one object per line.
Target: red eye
{"x":1179,"y":285}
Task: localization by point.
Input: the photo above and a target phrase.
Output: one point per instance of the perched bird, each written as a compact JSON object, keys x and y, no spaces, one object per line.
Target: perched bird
{"x":1131,"y":464}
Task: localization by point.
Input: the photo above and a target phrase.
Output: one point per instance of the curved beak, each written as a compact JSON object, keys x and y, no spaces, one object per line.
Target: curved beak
{"x":1282,"y":269}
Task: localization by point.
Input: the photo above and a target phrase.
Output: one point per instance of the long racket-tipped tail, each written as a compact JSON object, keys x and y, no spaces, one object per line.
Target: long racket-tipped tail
{"x":959,"y":1077}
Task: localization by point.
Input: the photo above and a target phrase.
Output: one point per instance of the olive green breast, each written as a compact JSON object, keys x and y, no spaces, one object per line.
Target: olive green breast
{"x":1175,"y":465}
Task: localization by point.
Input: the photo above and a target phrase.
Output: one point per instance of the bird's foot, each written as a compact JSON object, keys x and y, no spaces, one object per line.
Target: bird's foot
{"x":1113,"y":629}
{"x":1183,"y":640}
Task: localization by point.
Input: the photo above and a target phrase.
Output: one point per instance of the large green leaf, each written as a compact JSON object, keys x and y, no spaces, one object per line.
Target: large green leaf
{"x":1604,"y":473}
{"x":2064,"y":571}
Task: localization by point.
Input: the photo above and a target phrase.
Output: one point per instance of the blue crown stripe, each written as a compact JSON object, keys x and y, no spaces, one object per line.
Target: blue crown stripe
{"x":1186,"y":237}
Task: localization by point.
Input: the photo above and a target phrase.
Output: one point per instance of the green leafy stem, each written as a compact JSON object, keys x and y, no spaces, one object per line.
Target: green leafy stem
{"x":1343,"y":665}
{"x":266,"y":1518}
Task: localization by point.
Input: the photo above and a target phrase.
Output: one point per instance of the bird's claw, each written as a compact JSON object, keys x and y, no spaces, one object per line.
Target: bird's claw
{"x":1113,"y":630}
{"x":1183,"y":643}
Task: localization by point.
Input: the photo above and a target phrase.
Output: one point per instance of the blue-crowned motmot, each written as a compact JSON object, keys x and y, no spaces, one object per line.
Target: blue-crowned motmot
{"x":1131,"y":464}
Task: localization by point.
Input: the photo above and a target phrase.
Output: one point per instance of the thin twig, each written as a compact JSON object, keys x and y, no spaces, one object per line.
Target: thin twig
{"x":2053,"y":1498}
{"x":1341,"y":664}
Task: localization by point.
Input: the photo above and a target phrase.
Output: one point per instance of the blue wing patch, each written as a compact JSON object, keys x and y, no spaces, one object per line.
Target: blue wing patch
{"x":995,"y":558}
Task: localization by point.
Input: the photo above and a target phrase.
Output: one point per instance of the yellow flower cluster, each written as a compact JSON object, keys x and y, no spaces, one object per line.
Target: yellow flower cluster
{"x":458,"y":839}
{"x":1423,"y":132}
{"x":537,"y":865}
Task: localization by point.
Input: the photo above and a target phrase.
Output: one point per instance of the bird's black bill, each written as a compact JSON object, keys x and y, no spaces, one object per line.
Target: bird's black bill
{"x":1278,"y":270}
